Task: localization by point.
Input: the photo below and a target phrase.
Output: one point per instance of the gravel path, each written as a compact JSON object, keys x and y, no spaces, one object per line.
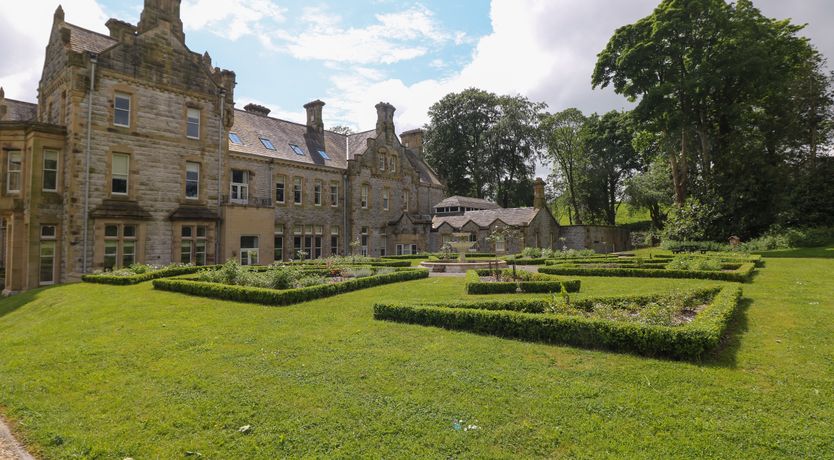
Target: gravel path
{"x":10,"y":449}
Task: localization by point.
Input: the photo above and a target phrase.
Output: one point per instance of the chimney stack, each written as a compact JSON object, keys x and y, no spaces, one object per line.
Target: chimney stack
{"x":120,"y":30}
{"x":257,"y":109}
{"x":315,"y":123}
{"x":157,"y":12}
{"x":539,"y":201}
{"x":385,"y":121}
{"x":2,"y":103}
{"x":413,"y":140}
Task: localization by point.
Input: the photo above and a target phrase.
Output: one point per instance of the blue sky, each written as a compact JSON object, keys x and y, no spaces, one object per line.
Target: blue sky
{"x":353,"y":54}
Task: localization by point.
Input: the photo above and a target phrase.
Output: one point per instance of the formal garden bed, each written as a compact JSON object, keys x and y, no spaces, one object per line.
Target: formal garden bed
{"x":679,"y":325}
{"x":688,"y":266}
{"x":507,"y":281}
{"x":285,"y":284}
{"x":139,"y":273}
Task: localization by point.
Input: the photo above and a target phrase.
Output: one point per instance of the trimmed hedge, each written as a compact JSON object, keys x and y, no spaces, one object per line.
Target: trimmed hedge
{"x":521,"y":261}
{"x":104,"y":278}
{"x":371,"y":263}
{"x":524,"y":320}
{"x":740,"y":275}
{"x":475,"y":286}
{"x":287,"y":296}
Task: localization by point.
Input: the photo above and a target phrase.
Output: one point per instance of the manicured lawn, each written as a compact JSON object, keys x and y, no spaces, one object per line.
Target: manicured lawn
{"x":111,"y":372}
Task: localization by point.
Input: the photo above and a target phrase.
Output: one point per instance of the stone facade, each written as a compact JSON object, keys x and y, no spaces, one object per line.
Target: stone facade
{"x":600,"y":238}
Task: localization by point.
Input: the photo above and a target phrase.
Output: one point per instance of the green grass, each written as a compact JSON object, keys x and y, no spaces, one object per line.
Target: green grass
{"x":95,"y":371}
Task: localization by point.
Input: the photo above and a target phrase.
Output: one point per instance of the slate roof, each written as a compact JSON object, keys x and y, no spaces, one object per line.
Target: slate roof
{"x":82,"y":40}
{"x":19,"y":110}
{"x":518,"y":217}
{"x":466,"y":202}
{"x":251,"y":127}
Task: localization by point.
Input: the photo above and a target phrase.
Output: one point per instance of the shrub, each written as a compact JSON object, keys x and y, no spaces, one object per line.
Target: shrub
{"x":786,"y":238}
{"x":128,"y":276}
{"x":287,"y":296}
{"x":694,"y":263}
{"x":528,"y":283}
{"x":527,"y":320}
{"x":741,"y":272}
{"x":531,"y":253}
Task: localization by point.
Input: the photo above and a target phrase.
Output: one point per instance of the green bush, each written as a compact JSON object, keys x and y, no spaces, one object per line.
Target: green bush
{"x":528,"y":283}
{"x":694,"y":263}
{"x":531,"y":253}
{"x":287,"y":296}
{"x":124,"y":278}
{"x":786,"y":238}
{"x":741,"y":274}
{"x":689,"y":246}
{"x":528,"y":320}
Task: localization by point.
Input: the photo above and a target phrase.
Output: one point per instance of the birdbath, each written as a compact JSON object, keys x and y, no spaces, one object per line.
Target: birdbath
{"x":461,"y":245}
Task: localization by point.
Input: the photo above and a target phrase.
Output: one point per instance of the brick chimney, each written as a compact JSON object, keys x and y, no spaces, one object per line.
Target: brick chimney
{"x":539,"y":201}
{"x":385,"y":121}
{"x":159,"y":12}
{"x":315,"y":123}
{"x":257,"y":109}
{"x":413,"y":140}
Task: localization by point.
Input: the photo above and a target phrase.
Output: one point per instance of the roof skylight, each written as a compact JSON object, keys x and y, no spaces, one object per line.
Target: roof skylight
{"x":267,"y":143}
{"x":324,"y":154}
{"x":297,"y":149}
{"x":235,"y":139}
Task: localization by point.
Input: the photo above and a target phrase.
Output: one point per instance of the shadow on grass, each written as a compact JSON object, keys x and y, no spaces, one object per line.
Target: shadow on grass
{"x":801,"y":253}
{"x":726,"y":353}
{"x":13,"y":302}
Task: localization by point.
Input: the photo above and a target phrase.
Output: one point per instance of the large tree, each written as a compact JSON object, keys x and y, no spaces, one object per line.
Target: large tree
{"x":484,"y":145}
{"x":562,"y":132}
{"x":734,"y":96}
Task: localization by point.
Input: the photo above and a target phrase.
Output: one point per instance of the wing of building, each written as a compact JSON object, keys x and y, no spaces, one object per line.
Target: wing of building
{"x":135,"y":153}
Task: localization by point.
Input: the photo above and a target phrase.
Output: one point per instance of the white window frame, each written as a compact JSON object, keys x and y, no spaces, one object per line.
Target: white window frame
{"x":386,"y":198}
{"x":17,"y":172}
{"x":114,"y":176}
{"x":248,"y":252}
{"x":192,"y":119}
{"x":188,"y":167}
{"x":298,"y":190}
{"x":318,"y":187}
{"x":46,"y":153}
{"x":116,"y":109}
{"x":406,"y":199}
{"x":281,"y":180}
{"x":364,"y":196}
{"x":334,"y":194}
{"x":47,"y":240}
{"x":241,"y":189}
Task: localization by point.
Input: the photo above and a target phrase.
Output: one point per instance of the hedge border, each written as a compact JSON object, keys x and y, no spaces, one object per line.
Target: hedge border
{"x":523,"y":320}
{"x":288,"y":296}
{"x":474,"y":285}
{"x":148,"y":276}
{"x":374,"y":263}
{"x":741,"y":275}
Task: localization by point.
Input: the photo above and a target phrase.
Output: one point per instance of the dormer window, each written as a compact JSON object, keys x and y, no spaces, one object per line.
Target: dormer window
{"x":297,"y":150}
{"x":235,"y":139}
{"x":267,"y":143}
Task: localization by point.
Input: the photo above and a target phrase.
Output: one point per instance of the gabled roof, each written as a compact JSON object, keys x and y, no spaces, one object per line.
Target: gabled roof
{"x":427,"y":175}
{"x":359,"y":142}
{"x":466,"y":202}
{"x":82,"y":40}
{"x":516,"y":217}
{"x":19,"y":110}
{"x":251,"y":127}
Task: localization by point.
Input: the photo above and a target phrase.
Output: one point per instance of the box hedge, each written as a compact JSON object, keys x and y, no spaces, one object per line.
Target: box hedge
{"x":742,"y":274}
{"x":539,"y":284}
{"x":105,"y":278}
{"x":524,"y":320}
{"x":288,"y":296}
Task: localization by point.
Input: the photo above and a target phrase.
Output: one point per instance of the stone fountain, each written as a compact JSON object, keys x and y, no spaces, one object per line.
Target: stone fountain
{"x":462,"y":245}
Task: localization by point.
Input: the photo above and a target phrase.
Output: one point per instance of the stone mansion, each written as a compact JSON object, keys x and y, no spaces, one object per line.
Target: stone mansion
{"x":135,"y":153}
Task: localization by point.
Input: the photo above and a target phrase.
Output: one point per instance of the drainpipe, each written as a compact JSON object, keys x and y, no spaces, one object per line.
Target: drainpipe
{"x":346,"y":237}
{"x":85,"y":233}
{"x":218,"y":226}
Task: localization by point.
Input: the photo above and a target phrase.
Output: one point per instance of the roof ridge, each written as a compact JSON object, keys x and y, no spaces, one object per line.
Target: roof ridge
{"x":21,"y":102}
{"x":299,"y":124}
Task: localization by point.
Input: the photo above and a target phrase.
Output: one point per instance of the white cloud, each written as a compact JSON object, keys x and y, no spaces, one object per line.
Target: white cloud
{"x":232,"y":19}
{"x":24,"y":32}
{"x":394,"y":37}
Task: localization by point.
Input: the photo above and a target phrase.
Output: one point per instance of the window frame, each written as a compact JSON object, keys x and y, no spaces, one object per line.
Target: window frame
{"x":49,"y":240}
{"x":128,"y":111}
{"x":45,"y":170}
{"x":298,"y":191}
{"x":267,"y":143}
{"x":18,"y":173}
{"x":242,"y":188}
{"x":249,"y":251}
{"x":365,"y":196}
{"x":196,"y":195}
{"x":318,"y":187}
{"x":236,"y":136}
{"x":281,"y":180}
{"x":334,"y":194}
{"x":189,"y":124}
{"x":386,"y":199}
{"x":114,"y":176}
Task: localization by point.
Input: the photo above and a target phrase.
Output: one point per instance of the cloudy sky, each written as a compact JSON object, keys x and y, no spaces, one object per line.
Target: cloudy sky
{"x":355,"y":54}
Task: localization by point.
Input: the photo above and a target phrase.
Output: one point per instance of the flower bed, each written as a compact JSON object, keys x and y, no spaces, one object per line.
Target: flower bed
{"x":140,"y":273}
{"x":525,"y":283}
{"x":676,"y":325}
{"x":269,"y":296}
